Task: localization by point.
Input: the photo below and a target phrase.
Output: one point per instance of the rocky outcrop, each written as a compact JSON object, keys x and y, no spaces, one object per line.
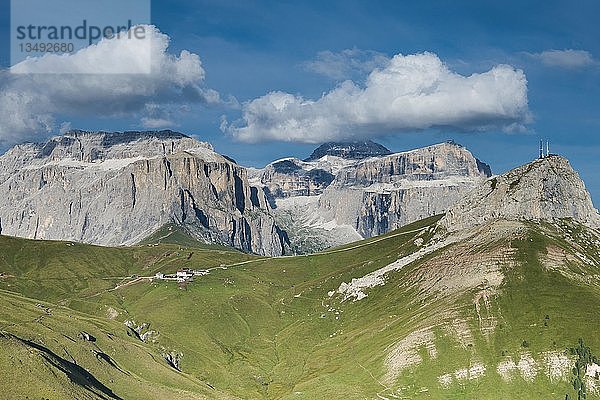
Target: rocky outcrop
{"x":543,"y":190}
{"x":381,"y":212}
{"x":382,"y":194}
{"x":292,"y":177}
{"x":372,"y":193}
{"x":437,"y":162}
{"x":173,"y":359}
{"x":117,"y":188}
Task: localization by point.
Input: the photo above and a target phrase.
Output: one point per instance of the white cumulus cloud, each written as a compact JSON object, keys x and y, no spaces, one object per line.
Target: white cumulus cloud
{"x":412,"y":92}
{"x":565,"y":58}
{"x":34,"y":92}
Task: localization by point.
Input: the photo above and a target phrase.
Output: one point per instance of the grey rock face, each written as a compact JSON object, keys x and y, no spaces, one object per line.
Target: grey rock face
{"x":381,"y":194}
{"x":117,"y":188}
{"x":441,"y":161}
{"x":368,"y":196}
{"x":543,"y":190}
{"x":383,"y":212}
{"x":292,"y":177}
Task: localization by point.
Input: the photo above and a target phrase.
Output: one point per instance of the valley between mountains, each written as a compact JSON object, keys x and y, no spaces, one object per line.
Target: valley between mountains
{"x":435,"y":279}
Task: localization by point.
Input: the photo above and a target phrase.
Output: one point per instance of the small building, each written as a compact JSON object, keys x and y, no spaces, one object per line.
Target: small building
{"x":184,"y":273}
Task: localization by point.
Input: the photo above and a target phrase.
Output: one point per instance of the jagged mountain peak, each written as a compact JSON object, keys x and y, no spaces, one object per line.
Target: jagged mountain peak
{"x":545,"y":189}
{"x":349,"y":150}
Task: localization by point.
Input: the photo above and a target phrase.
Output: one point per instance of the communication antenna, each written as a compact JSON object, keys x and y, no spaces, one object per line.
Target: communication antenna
{"x":547,"y":148}
{"x":541,"y":148}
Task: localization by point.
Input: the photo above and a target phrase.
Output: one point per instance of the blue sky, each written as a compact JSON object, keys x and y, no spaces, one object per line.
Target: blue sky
{"x":251,"y":48}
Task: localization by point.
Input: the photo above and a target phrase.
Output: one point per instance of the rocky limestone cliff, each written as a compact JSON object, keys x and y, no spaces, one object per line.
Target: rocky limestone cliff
{"x":437,"y":162}
{"x":117,"y":188}
{"x":381,"y":194}
{"x":368,"y":196}
{"x":543,"y":190}
{"x":292,"y":177}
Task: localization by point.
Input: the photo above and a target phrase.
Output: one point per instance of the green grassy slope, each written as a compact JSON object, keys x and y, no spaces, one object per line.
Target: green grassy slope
{"x":262,"y":328}
{"x":180,"y":235}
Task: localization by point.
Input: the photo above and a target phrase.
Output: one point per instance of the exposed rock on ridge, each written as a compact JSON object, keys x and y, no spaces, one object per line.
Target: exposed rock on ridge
{"x":382,"y":194}
{"x":117,"y":188}
{"x":368,"y":196}
{"x":291,"y":177}
{"x":543,"y":190}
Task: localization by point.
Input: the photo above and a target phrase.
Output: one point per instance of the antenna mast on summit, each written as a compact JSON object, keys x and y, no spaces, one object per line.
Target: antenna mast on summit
{"x":547,"y":148}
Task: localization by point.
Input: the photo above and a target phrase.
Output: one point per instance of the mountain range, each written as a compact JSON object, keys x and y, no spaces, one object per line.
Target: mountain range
{"x":334,"y":200}
{"x":118,"y":188}
{"x":460,"y":284}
